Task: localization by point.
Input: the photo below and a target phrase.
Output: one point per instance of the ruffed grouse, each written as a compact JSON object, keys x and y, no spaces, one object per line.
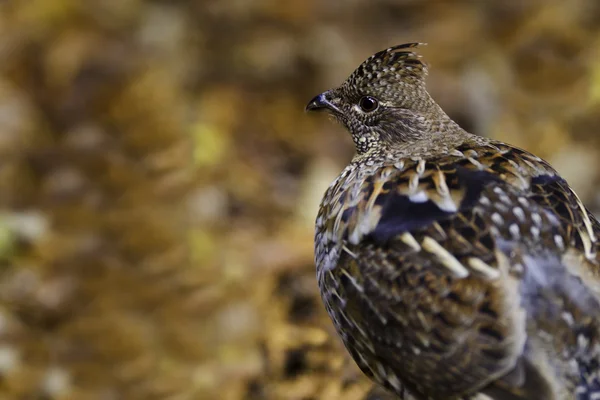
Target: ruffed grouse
{"x":453,"y":266}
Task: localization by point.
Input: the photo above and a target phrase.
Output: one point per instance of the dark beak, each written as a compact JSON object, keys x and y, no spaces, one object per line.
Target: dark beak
{"x":322,"y":102}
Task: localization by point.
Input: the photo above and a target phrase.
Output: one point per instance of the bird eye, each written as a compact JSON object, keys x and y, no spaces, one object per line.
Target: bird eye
{"x":368,"y":104}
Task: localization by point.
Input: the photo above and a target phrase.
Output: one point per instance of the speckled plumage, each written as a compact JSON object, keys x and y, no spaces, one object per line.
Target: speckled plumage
{"x":453,"y":266}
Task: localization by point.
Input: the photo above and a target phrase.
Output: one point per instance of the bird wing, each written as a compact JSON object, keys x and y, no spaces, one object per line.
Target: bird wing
{"x":433,"y":256}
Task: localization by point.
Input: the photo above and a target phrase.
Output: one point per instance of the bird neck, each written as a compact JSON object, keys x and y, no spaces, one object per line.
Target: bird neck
{"x":406,"y":130}
{"x":427,"y":146}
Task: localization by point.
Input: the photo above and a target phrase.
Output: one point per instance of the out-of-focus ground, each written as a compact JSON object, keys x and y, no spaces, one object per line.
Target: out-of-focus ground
{"x":159,"y":178}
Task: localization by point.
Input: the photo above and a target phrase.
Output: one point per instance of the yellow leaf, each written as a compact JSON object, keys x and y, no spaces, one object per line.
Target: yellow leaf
{"x":210,"y":144}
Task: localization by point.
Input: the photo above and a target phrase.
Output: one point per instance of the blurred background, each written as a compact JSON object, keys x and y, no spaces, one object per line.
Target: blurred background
{"x":159,"y":178}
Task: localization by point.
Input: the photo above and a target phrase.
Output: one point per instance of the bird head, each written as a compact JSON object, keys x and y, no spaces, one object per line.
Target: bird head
{"x":384,"y":101}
